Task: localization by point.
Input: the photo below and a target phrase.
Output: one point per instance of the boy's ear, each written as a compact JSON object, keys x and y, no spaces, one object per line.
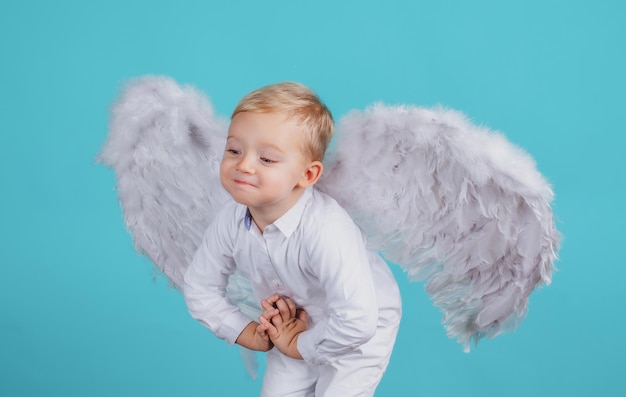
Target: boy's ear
{"x":312,"y":174}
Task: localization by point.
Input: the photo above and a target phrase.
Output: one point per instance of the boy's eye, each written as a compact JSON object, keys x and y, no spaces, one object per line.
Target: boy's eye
{"x":267,"y":160}
{"x":232,"y":151}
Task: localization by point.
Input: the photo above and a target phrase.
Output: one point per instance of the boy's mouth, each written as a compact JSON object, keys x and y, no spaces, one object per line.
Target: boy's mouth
{"x":243,"y":183}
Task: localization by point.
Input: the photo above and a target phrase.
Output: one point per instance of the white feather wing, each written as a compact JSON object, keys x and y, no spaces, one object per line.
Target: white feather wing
{"x":165,"y":145}
{"x":454,"y":204}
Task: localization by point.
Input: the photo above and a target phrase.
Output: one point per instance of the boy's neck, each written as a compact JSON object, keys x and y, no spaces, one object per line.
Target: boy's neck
{"x":265,"y":216}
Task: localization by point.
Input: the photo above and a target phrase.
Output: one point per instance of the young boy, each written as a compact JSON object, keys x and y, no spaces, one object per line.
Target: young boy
{"x":331,"y":308}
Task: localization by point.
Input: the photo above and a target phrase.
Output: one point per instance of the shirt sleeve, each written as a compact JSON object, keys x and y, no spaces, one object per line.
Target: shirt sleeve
{"x":339,"y":260}
{"x":206,"y":279}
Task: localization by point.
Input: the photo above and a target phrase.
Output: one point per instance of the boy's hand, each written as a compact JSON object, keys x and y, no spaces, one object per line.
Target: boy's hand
{"x":283,"y":322}
{"x":262,"y":338}
{"x":255,"y":337}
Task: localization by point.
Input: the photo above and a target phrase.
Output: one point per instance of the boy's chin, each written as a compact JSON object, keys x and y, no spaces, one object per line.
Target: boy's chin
{"x":241,"y":198}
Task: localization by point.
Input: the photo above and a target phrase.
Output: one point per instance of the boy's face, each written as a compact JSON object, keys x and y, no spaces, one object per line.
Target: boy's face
{"x":264,"y":164}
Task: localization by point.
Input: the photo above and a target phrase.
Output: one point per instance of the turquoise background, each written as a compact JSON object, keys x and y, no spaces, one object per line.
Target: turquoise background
{"x":80,"y":313}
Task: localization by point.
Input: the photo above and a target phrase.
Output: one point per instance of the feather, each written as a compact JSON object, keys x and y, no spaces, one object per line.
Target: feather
{"x":165,"y":145}
{"x":454,"y":204}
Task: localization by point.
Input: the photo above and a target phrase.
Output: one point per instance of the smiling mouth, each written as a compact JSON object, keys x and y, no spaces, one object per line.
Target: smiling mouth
{"x":243,"y":183}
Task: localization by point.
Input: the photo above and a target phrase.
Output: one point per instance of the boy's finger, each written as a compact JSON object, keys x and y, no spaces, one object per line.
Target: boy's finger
{"x":272,"y":316}
{"x":268,"y":304}
{"x":277,"y":321}
{"x":301,"y":315}
{"x":292,"y":307}
{"x":272,"y":299}
{"x":271,"y":332}
{"x":283,"y":308}
{"x":262,"y":330}
{"x":266,"y":324}
{"x":265,"y":304}
{"x":269,"y":313}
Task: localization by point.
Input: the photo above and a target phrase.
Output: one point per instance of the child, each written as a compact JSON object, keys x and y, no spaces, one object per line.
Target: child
{"x":331,"y":308}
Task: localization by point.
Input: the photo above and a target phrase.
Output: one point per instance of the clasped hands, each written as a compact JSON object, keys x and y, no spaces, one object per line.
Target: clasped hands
{"x":280,"y":324}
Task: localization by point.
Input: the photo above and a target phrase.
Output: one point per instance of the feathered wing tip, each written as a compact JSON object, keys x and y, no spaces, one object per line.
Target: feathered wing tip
{"x":165,"y":145}
{"x":454,"y":204}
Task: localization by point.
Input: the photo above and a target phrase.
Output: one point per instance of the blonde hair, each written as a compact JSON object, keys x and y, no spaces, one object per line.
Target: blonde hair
{"x":296,"y":100}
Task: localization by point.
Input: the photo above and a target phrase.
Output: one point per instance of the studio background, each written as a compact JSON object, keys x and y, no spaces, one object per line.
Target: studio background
{"x":80,"y":312}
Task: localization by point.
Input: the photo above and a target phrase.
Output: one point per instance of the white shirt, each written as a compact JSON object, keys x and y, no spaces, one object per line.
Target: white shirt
{"x":315,"y":255}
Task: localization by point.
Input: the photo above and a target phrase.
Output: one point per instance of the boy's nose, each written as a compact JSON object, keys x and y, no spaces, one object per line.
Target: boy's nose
{"x":245,"y":165}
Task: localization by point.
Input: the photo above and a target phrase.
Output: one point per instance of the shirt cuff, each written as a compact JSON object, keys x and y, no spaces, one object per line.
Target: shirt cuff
{"x":232,"y":326}
{"x":308,"y":349}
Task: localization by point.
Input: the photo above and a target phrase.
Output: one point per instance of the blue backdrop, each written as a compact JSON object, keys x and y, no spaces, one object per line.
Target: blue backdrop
{"x":80,"y":314}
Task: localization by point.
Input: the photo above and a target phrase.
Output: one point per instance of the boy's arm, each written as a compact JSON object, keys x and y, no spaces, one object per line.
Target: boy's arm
{"x":340,"y":261}
{"x":206,"y":279}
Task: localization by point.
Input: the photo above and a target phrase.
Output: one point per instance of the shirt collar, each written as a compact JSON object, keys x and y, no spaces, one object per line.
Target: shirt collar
{"x":290,"y":220}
